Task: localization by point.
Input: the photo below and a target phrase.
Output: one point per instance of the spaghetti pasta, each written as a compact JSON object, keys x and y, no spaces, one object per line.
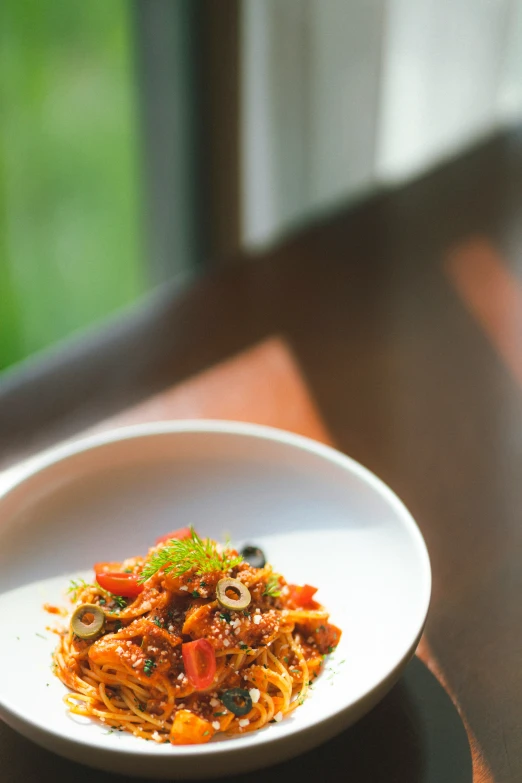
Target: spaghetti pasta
{"x":178,"y":656}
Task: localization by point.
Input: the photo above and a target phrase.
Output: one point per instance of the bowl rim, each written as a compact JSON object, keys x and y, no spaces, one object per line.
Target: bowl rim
{"x":15,"y":476}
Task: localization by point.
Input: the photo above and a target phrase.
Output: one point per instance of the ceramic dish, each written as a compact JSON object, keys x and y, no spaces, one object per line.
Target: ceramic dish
{"x":320,"y":518}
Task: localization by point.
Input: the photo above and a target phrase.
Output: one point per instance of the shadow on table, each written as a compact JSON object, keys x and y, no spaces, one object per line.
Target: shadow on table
{"x":415,"y":735}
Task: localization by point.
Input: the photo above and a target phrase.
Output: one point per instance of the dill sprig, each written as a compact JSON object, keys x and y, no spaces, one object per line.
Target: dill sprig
{"x":77,"y":585}
{"x":182,"y":555}
{"x":272,"y":588}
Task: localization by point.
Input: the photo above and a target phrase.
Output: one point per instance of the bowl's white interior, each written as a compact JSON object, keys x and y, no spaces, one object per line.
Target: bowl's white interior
{"x":319,"y":517}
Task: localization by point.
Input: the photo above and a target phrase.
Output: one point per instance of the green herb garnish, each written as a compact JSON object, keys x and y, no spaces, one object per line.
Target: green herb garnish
{"x":195,"y":594}
{"x":225,"y":617}
{"x":196,"y":553}
{"x":273,"y":587}
{"x":119,"y":600}
{"x":75,"y":586}
{"x":157,"y":622}
{"x":149,"y":666}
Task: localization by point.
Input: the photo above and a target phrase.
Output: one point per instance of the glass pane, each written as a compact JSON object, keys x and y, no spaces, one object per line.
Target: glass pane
{"x":70,"y":233}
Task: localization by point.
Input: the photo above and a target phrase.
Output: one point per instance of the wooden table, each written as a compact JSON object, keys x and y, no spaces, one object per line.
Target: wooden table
{"x":392,"y":330}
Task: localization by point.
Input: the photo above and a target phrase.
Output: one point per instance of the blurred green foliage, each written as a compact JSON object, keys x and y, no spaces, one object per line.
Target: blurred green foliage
{"x":70,"y":239}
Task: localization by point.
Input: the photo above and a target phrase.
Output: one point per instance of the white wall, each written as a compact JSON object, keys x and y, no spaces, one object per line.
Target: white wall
{"x":273,"y":110}
{"x":441,"y":69}
{"x":310,"y":86}
{"x":339,"y":96}
{"x":345,"y":50}
{"x":509,"y":98}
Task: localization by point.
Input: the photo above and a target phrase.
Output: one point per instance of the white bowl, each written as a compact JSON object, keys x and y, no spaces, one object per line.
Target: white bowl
{"x":320,"y":518}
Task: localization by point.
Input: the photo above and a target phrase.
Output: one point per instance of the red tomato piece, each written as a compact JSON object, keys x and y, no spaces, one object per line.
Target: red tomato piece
{"x":102,"y":568}
{"x":303,"y":596}
{"x":200,"y":663}
{"x":119,"y":583}
{"x":183,"y":532}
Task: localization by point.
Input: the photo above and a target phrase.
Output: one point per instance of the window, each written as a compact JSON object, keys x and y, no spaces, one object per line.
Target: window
{"x":70,"y":212}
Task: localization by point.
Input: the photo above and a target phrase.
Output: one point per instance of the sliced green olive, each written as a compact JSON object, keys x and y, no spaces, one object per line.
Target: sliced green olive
{"x":232,"y":594}
{"x":87,"y":621}
{"x":237,"y":700}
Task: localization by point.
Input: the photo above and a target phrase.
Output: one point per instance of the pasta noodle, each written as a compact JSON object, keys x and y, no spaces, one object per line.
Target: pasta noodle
{"x":189,"y":643}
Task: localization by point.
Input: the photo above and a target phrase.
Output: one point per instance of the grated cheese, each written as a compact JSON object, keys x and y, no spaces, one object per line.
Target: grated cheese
{"x":255,"y":693}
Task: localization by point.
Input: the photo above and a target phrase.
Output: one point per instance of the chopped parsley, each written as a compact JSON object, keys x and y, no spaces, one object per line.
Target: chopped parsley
{"x":225,"y":616}
{"x":119,"y":600}
{"x":195,"y":594}
{"x":157,"y":622}
{"x":148,"y":668}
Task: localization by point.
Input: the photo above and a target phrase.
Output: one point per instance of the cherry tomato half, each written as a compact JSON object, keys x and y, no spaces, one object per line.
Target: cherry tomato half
{"x":183,"y":532}
{"x":103,"y":568}
{"x":200,"y":663}
{"x":119,"y":583}
{"x":302,"y":596}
